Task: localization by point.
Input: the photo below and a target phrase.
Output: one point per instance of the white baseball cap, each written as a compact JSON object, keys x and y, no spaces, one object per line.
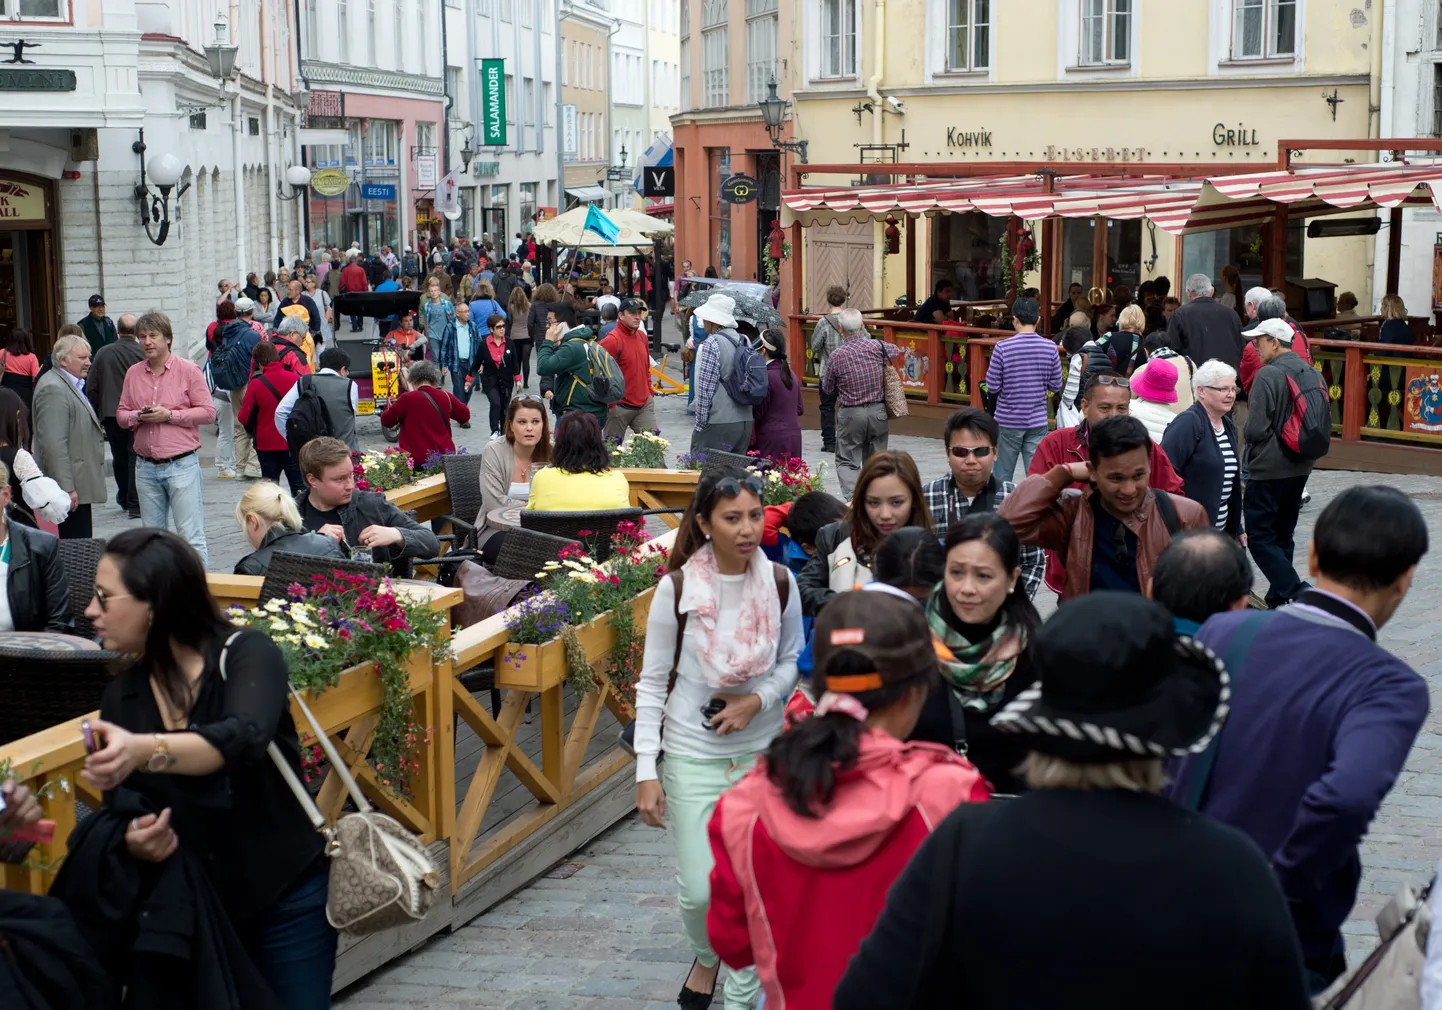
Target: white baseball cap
{"x":1278,"y":329}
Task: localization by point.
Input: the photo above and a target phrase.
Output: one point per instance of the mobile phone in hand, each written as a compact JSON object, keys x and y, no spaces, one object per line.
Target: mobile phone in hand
{"x":89,"y":735}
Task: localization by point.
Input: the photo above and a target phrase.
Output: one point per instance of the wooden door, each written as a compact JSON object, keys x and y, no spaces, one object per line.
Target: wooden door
{"x":839,"y":254}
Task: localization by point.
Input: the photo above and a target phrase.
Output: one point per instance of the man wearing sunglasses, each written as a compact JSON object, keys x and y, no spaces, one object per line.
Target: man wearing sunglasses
{"x":1106,"y":394}
{"x":971,"y":436}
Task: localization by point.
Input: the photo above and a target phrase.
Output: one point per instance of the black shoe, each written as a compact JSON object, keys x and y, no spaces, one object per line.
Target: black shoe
{"x":132,"y":513}
{"x":466,"y":424}
{"x":693,"y":1000}
{"x":828,"y":447}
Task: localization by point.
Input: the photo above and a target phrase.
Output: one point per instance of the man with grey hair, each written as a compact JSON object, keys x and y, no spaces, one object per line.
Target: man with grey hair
{"x":102,"y":387}
{"x":292,"y":332}
{"x":1204,"y":328}
{"x":69,"y":440}
{"x":1269,"y":305}
{"x":854,"y":377}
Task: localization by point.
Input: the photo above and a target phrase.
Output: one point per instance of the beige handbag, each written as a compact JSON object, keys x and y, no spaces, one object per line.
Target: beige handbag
{"x":1391,"y":976}
{"x":893,"y":392}
{"x":380,"y":875}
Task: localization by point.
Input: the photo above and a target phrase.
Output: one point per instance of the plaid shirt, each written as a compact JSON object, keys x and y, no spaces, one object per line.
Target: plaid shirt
{"x":854,"y":371}
{"x":947,"y":505}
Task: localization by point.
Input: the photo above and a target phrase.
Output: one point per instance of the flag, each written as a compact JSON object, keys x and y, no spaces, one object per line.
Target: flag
{"x":602,"y":225}
{"x":448,"y":196}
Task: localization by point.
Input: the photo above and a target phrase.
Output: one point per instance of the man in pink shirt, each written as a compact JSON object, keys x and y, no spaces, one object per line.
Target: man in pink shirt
{"x":165,"y":400}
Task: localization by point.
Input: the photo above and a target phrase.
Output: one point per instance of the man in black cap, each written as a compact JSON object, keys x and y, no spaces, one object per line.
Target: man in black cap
{"x":96,"y":325}
{"x":627,"y":343}
{"x":1201,"y":573}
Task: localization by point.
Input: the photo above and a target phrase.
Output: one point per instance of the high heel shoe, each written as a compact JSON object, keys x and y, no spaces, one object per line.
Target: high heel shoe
{"x":693,"y":1000}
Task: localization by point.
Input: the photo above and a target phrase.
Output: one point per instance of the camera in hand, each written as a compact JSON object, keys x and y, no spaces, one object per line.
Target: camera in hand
{"x":710,"y":710}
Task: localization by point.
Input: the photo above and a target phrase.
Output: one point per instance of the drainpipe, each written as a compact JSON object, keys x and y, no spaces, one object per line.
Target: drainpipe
{"x":238,"y":171}
{"x":560,"y":114}
{"x":272,"y":147}
{"x":873,"y":91}
{"x":302,"y":235}
{"x":403,"y":198}
{"x":1382,"y":42}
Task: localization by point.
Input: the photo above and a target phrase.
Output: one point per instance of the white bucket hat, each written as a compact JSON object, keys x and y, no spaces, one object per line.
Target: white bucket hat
{"x":719,"y":309}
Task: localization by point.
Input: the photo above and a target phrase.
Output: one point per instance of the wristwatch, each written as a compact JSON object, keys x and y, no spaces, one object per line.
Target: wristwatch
{"x":161,"y":759}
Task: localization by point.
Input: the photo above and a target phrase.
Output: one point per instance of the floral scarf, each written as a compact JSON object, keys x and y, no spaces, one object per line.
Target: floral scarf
{"x":750,"y":650}
{"x":975,"y":671}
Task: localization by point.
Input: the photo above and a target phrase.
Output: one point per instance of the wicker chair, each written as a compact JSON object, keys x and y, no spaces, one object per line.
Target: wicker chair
{"x":715,"y":459}
{"x":286,"y":568}
{"x":524,"y":552}
{"x":80,"y":558}
{"x":601,"y":526}
{"x":42,"y":689}
{"x":463,"y":480}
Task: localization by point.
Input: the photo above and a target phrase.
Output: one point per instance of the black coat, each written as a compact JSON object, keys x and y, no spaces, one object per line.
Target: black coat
{"x":1191,"y":445}
{"x":287,"y":541}
{"x":1204,"y":329}
{"x":36,"y":586}
{"x":159,"y":928}
{"x":369,"y":508}
{"x":814,"y":580}
{"x":492,"y":375}
{"x":49,"y":965}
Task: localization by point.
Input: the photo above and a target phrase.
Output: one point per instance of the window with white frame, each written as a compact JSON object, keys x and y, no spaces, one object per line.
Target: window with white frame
{"x":342,"y":14}
{"x":527,"y":13}
{"x":528,"y":101}
{"x":35,"y":10}
{"x":968,"y":35}
{"x":685,"y":18}
{"x":399,"y":29}
{"x":838,"y":38}
{"x":507,"y":14}
{"x":684,"y":95}
{"x":425,"y":138}
{"x":548,"y":104}
{"x":483,"y":8}
{"x":713,"y":13}
{"x":381,"y":142}
{"x":715,"y":68}
{"x":370,"y":32}
{"x":1105,"y":32}
{"x":760,"y":51}
{"x":312,"y":27}
{"x":1437,"y":99}
{"x":1263,"y":29}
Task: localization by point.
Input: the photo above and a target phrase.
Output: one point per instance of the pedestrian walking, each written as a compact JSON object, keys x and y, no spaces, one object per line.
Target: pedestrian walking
{"x":566,"y":363}
{"x":1201,"y":573}
{"x":164,"y":401}
{"x":271,"y":522}
{"x":98,"y":328}
{"x":424,"y":413}
{"x":1202,"y":444}
{"x":353,"y":280}
{"x":1204,"y":328}
{"x":256,"y":415}
{"x":265,"y":308}
{"x":336,"y":390}
{"x":498,"y":370}
{"x":1263,"y":304}
{"x":808,"y":842}
{"x":455,"y":347}
{"x":1074,"y":344}
{"x":888,"y":497}
{"x":293,"y":342}
{"x":971,"y":485}
{"x":33,"y":495}
{"x":825,"y":340}
{"x":776,"y":434}
{"x":1153,"y":393}
{"x":34,"y":591}
{"x":484,"y":305}
{"x":855,"y":374}
{"x":1277,"y":471}
{"x":295,"y":295}
{"x":231,"y":366}
{"x":1023,"y":369}
{"x":518,"y":314}
{"x":722,"y":421}
{"x":628,"y":344}
{"x":1322,"y":717}
{"x":1118,"y":692}
{"x":1109,"y":536}
{"x":318,"y":294}
{"x":19,"y":367}
{"x":69,"y":440}
{"x":103,"y":385}
{"x":980,"y":613}
{"x":722,"y":639}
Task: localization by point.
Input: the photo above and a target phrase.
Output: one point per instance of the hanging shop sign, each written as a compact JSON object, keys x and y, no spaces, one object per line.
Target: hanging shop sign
{"x":425,"y":171}
{"x":374,"y":191}
{"x":740,"y":189}
{"x":330,"y":182}
{"x":658,"y":181}
{"x":493,"y":103}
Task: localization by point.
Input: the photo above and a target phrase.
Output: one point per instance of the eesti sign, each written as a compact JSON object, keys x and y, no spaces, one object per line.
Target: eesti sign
{"x":493,"y":103}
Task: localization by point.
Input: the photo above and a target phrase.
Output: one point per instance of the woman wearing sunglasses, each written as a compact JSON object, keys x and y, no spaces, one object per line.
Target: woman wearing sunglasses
{"x":888,"y":496}
{"x":721,"y":646}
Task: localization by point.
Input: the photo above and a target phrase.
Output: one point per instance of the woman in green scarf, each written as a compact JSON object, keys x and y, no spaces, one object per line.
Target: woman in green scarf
{"x":984,"y":624}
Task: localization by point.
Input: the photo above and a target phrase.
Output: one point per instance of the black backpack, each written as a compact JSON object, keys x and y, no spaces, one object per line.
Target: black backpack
{"x":309,"y":418}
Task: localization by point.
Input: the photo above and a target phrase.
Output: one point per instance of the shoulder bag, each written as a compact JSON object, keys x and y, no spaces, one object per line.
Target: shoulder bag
{"x":380,"y":875}
{"x":1391,"y":977}
{"x":892,"y":391}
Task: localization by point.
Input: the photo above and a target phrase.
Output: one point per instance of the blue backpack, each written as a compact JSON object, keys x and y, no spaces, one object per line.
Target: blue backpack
{"x":747,"y":383}
{"x":230,"y":363}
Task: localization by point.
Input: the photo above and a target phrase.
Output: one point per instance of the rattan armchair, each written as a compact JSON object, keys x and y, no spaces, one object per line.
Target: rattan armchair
{"x":463,"y":481}
{"x":42,"y":688}
{"x":287,"y":568}
{"x":80,"y":558}
{"x":599,"y":525}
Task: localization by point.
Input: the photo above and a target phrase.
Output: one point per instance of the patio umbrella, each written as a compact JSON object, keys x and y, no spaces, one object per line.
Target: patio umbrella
{"x":570,"y":230}
{"x":643,"y":223}
{"x":751,"y":310}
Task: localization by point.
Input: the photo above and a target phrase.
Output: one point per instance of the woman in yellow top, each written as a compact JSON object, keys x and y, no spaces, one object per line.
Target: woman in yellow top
{"x":580,"y":477}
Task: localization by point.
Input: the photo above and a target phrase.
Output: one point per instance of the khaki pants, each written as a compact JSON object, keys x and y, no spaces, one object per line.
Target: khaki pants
{"x":637,"y":419}
{"x":246,"y":461}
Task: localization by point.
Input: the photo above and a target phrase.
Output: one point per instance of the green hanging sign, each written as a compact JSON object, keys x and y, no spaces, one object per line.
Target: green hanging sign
{"x":493,"y":103}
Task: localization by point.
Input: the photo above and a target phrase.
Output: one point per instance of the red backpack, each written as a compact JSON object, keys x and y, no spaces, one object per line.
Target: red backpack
{"x":1306,"y":434}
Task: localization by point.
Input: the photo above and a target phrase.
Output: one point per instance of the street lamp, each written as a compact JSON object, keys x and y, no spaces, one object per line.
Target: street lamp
{"x":298,"y":178}
{"x":467,"y":153}
{"x":773,"y":111}
{"x":220,"y":54}
{"x":618,"y":172}
{"x":164,"y":172}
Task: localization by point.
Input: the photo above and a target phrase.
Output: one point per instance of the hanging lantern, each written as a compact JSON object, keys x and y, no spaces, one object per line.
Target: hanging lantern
{"x":893,"y":236}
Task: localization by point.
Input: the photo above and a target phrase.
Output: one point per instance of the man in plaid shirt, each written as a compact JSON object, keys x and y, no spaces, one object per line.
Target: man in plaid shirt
{"x":853,"y":374}
{"x":971,"y":436}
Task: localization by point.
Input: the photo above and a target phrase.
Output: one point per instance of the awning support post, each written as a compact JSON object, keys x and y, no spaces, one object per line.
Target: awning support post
{"x":1048,"y":273}
{"x":1274,"y":249}
{"x":1394,"y":250}
{"x":911,"y":222}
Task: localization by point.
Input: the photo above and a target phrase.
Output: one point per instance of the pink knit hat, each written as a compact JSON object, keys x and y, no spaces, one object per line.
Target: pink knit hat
{"x":1157,"y":383}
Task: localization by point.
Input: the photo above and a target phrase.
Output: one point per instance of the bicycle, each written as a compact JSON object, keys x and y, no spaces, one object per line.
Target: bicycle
{"x":661,"y":383}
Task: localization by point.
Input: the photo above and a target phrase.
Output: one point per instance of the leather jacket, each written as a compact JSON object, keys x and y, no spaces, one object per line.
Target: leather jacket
{"x":278,"y":538}
{"x":35,"y":584}
{"x":1044,"y":518}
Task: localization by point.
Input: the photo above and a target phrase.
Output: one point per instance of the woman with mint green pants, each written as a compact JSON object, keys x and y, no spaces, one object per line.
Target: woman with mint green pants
{"x":733,"y":653}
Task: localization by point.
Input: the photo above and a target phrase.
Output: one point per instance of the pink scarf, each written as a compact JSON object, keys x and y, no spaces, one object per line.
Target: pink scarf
{"x":750,"y":650}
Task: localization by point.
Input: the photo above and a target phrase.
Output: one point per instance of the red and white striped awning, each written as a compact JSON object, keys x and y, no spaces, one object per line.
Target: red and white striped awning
{"x":1174,"y":204}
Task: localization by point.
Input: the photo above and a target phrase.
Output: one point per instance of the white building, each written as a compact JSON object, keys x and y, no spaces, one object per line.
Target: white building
{"x":630,"y":116}
{"x":88,"y":79}
{"x":663,"y":82}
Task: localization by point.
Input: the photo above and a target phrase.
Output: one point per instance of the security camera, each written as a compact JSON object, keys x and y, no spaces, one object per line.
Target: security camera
{"x":896,"y":104}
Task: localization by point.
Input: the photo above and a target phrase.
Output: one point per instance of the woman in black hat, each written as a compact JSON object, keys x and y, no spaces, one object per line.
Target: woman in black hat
{"x":1091,"y":891}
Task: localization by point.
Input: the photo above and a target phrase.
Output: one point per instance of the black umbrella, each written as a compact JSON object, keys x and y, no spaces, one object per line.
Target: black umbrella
{"x":377,"y":304}
{"x":752,"y":310}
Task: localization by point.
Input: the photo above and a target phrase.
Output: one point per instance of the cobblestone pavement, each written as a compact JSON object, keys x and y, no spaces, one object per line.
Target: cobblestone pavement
{"x":608,"y":935}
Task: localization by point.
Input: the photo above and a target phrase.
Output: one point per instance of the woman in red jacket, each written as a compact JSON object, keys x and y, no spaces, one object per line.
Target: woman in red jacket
{"x":269,"y":383}
{"x":424,"y":413}
{"x":807,"y":844}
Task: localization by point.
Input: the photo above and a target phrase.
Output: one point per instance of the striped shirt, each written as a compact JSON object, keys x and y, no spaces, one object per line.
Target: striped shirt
{"x":1229,"y":474}
{"x":1023,"y":369}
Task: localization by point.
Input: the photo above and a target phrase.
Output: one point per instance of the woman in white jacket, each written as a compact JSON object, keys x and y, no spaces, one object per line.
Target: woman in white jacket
{"x":720,"y":663}
{"x":1153,"y":392}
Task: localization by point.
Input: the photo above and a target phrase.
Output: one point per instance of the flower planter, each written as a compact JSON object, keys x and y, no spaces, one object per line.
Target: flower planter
{"x":541,"y":667}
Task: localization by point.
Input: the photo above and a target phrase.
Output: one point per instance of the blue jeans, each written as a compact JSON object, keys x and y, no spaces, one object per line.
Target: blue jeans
{"x":293,"y":945}
{"x":458,"y":385}
{"x":1014,"y":444}
{"x":171,"y":491}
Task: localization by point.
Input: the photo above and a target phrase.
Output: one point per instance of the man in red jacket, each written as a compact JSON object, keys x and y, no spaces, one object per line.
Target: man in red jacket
{"x":353,"y":279}
{"x":627,"y":343}
{"x":1263,"y":304}
{"x":1107,"y":394}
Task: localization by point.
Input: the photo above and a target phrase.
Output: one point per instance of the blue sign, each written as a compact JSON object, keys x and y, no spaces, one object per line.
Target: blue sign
{"x":371,"y":191}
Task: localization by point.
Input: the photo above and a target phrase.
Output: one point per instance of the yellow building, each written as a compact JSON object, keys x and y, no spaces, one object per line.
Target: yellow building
{"x":1173,"y":84}
{"x":585,"y":37}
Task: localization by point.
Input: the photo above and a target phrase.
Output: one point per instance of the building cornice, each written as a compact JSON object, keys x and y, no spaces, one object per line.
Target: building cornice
{"x":366,"y":77}
{"x":1091,"y":86}
{"x":728,"y":114}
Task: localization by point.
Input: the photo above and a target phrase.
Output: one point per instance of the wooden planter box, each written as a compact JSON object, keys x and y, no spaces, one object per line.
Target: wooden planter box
{"x":542,"y":667}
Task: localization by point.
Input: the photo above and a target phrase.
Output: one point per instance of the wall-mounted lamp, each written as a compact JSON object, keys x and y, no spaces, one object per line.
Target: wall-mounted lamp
{"x":773,"y":111}
{"x":618,"y":172}
{"x":298,"y":178}
{"x":220,"y":54}
{"x":467,"y":153}
{"x":164,"y":173}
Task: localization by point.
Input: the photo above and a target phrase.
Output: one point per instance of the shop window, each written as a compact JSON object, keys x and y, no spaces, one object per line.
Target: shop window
{"x":1207,"y":252}
{"x":968,"y":35}
{"x":1124,"y":254}
{"x":39,"y":10}
{"x":715,"y":53}
{"x":1105,"y":32}
{"x":720,"y":212}
{"x":966,"y":250}
{"x":760,"y":55}
{"x":1263,"y":29}
{"x":838,"y":38}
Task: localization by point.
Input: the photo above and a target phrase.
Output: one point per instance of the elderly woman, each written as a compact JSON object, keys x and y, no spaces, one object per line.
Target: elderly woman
{"x":294,"y":342}
{"x":1203,"y":446}
{"x":271,"y":522}
{"x":1119,"y":692}
{"x":424,"y":413}
{"x":1153,"y":393}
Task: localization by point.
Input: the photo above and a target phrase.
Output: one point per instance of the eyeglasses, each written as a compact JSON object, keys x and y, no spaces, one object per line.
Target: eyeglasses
{"x":1113,"y":380}
{"x":730,"y":487}
{"x":1224,"y":390}
{"x":104,"y":598}
{"x":980,"y":452}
